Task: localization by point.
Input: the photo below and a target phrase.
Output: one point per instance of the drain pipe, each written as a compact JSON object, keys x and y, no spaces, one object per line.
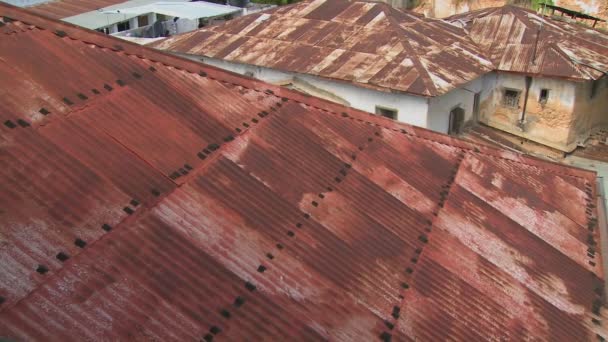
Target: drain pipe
{"x":523,"y":113}
{"x":601,"y":225}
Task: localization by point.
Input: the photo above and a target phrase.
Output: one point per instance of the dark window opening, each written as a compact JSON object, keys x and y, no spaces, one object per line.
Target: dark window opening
{"x":544,"y":96}
{"x":123,"y":26}
{"x":387,"y":112}
{"x":456,"y":120}
{"x":511,"y":98}
{"x":594,"y":86}
{"x":103,"y":30}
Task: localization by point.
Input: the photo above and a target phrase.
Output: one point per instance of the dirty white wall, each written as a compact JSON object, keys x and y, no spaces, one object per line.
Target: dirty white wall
{"x":590,"y":113}
{"x":411,"y":109}
{"x":548,"y":124}
{"x":440,"y":106}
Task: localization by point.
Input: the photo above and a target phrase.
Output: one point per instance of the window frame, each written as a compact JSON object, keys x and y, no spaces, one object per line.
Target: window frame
{"x":544,"y":100}
{"x":382,"y":110}
{"x":509,"y":103}
{"x":126,"y":24}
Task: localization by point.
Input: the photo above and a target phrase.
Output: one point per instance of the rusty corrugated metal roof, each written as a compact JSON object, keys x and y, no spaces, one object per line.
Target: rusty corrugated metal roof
{"x":508,"y":35}
{"x":145,"y":196}
{"x":370,"y":44}
{"x":59,"y":9}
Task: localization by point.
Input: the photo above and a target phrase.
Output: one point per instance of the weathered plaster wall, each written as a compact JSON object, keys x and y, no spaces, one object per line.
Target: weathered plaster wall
{"x":590,"y":114}
{"x":440,"y":107}
{"x":411,"y":109}
{"x":446,"y":8}
{"x":549,"y":124}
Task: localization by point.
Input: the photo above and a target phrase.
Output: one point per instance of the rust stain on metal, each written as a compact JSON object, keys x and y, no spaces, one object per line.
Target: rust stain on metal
{"x":510,"y":37}
{"x":367,"y":43}
{"x":175,"y":201}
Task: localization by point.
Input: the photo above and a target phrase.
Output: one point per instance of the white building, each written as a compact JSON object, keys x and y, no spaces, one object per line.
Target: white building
{"x":367,"y":55}
{"x":137,"y":18}
{"x":151,"y":18}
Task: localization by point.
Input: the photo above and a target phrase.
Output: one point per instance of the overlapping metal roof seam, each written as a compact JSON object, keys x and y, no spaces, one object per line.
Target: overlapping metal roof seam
{"x":591,"y":213}
{"x":120,"y":49}
{"x":207,"y":152}
{"x":132,"y":214}
{"x":425,"y":238}
{"x":292,"y":232}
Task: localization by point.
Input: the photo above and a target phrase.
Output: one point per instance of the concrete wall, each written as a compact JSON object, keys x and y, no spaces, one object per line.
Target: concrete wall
{"x":411,"y":109}
{"x":441,"y":106}
{"x":590,"y":113}
{"x":563,"y":122}
{"x":446,"y":8}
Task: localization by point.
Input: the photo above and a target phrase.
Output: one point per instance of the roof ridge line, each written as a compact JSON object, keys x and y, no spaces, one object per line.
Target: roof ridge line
{"x":413,"y":131}
{"x":127,"y":218}
{"x":576,"y":64}
{"x":431,"y":88}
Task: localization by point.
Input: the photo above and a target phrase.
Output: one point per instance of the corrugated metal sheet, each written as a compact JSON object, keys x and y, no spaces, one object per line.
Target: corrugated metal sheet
{"x":59,"y":9}
{"x":145,"y":196}
{"x":508,"y":35}
{"x":366,"y":43}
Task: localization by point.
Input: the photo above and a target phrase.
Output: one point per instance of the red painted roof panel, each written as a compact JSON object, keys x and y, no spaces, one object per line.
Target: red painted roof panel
{"x":186,"y":202}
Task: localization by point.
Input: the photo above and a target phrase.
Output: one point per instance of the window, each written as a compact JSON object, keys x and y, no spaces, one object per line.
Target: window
{"x":511,"y":98}
{"x":104,"y":30}
{"x":456,"y":120}
{"x":544,"y":96}
{"x":123,"y":26}
{"x":387,"y":112}
{"x":142,"y":20}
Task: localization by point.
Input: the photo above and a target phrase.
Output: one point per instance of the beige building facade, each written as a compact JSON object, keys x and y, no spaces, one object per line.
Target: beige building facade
{"x":557,"y":113}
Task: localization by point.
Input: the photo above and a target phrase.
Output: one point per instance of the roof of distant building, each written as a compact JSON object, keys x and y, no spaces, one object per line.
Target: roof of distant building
{"x":369,"y":44}
{"x":59,"y":9}
{"x":101,"y":13}
{"x":145,"y":196}
{"x":134,"y":8}
{"x":188,"y":10}
{"x":509,"y":37}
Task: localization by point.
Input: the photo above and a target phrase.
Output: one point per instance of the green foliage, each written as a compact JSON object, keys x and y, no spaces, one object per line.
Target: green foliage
{"x":536,"y":4}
